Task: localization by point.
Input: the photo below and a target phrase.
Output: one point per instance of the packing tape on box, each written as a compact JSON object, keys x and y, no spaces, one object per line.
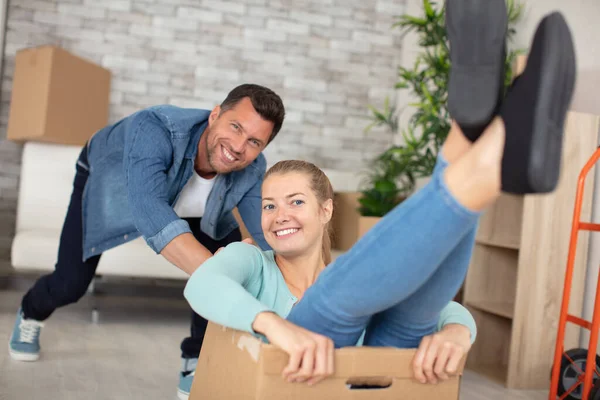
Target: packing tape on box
{"x":251,"y":345}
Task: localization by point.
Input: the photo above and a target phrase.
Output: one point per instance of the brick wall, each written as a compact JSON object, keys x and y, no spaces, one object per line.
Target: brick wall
{"x":327,"y":59}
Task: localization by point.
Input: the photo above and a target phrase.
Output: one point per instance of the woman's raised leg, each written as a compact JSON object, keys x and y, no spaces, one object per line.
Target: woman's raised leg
{"x":519,"y":152}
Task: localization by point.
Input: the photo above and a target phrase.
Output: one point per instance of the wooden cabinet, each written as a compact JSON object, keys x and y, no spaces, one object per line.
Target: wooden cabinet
{"x":515,"y":280}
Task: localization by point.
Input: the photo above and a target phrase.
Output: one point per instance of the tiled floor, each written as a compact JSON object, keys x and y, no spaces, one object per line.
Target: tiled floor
{"x":132,"y":352}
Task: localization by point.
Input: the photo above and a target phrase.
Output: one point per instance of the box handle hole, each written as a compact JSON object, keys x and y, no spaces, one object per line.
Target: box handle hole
{"x":369,"y":382}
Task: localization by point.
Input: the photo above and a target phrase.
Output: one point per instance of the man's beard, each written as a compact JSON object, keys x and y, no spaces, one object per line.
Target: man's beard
{"x":212,"y":154}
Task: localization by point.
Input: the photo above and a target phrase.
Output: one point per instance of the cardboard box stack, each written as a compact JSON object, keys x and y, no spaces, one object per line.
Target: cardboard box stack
{"x":348,"y":225}
{"x":345,"y":221}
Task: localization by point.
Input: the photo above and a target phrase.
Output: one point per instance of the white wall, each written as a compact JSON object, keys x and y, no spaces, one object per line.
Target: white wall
{"x":582,"y":17}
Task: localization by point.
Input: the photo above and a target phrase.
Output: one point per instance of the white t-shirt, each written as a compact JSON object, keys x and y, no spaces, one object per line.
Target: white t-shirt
{"x":192,"y":199}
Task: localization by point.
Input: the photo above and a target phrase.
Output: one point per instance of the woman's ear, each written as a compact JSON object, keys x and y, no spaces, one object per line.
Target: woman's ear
{"x":327,"y":210}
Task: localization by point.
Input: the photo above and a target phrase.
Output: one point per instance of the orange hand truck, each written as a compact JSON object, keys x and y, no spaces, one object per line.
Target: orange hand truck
{"x":575,"y":372}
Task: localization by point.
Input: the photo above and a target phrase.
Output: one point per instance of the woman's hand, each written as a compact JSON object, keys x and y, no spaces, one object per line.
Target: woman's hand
{"x":439,"y":355}
{"x":311,"y":354}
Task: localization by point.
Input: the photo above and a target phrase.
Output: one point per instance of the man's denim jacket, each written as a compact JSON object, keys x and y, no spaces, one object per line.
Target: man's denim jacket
{"x":137,"y":168}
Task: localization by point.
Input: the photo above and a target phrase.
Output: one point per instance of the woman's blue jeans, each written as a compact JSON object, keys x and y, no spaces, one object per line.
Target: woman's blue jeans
{"x":396,"y":279}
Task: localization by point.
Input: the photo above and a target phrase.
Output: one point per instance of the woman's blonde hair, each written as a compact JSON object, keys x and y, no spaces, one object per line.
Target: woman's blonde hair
{"x":321,"y":187}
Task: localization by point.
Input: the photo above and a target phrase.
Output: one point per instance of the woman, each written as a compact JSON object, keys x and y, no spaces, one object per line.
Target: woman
{"x":241,"y":282}
{"x":394,"y":284}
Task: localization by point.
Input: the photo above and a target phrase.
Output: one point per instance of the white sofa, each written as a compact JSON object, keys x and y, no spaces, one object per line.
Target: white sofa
{"x":47,"y":173}
{"x":46,"y":182}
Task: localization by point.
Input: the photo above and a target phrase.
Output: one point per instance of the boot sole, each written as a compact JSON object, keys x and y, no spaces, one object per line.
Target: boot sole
{"x":476,"y":30}
{"x":557,"y":82}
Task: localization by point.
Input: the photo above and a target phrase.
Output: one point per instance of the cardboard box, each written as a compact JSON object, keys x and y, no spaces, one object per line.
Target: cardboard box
{"x":235,"y":365}
{"x":345,"y":220}
{"x":365,"y":224}
{"x":57,"y":97}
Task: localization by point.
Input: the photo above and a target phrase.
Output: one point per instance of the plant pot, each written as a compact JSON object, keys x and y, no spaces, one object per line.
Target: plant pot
{"x":366,"y":223}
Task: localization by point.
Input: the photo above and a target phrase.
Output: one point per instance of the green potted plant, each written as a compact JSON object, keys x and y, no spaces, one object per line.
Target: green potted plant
{"x":392,"y":176}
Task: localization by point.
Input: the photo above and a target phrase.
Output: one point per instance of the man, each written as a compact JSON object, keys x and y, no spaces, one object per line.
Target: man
{"x":171,"y":175}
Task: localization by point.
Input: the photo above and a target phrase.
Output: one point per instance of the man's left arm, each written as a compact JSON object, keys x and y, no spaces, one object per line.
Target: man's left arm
{"x":250,"y":208}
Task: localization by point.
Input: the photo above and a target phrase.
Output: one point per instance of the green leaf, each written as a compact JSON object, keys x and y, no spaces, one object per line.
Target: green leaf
{"x":385,"y":186}
{"x":410,"y":20}
{"x":428,"y":8}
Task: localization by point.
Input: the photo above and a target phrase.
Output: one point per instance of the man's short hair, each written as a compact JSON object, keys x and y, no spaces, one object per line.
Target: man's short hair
{"x":266,"y":102}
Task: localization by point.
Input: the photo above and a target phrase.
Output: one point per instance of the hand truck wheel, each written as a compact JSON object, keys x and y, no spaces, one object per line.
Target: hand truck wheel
{"x":595,"y":392}
{"x":570,"y":373}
